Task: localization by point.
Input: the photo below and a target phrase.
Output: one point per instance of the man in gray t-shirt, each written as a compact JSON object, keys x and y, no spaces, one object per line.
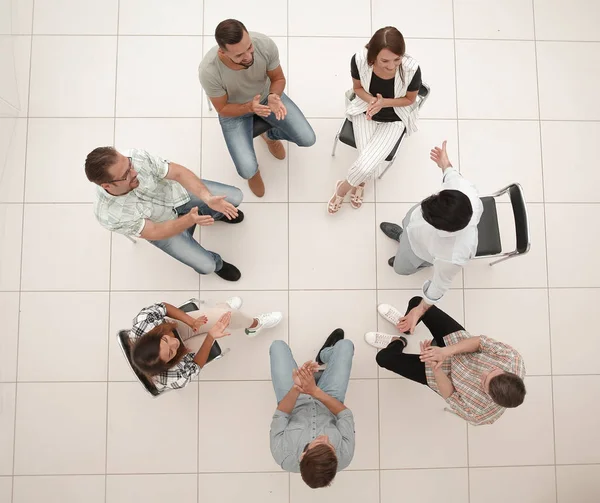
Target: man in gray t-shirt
{"x":242,"y":77}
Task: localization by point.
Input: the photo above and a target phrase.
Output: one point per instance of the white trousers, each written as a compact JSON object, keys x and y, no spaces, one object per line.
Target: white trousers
{"x":374,"y":141}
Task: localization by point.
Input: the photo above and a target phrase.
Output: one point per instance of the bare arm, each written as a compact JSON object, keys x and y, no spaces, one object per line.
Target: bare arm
{"x":289,"y":401}
{"x":444,"y":384}
{"x":230,"y":109}
{"x":407,"y":100}
{"x":188,"y":180}
{"x":202,"y":354}
{"x":155,"y":231}
{"x":278,"y":81}
{"x":178,"y":314}
{"x":360,"y":92}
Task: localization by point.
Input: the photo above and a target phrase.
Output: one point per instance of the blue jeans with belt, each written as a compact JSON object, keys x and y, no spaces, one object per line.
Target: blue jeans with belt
{"x":333,"y":380}
{"x":239,"y":137}
{"x":184,"y":247}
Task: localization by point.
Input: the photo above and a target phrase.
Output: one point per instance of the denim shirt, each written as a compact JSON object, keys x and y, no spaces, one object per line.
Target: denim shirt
{"x":310,"y":418}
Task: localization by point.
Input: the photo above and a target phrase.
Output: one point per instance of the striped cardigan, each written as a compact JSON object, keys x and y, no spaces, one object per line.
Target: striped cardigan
{"x":355,"y":105}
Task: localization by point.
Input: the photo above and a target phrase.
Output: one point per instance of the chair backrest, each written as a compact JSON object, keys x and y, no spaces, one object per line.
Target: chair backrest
{"x":423,"y":93}
{"x":519,"y":208}
{"x":125,"y":345}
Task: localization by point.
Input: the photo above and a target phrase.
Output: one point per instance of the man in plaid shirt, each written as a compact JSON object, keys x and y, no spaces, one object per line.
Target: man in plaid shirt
{"x":478,"y":377}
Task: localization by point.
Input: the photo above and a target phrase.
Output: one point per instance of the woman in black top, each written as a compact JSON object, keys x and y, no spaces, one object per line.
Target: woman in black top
{"x":381,"y":114}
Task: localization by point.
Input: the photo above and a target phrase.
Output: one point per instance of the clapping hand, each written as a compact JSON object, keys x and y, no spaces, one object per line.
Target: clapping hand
{"x":375,"y":106}
{"x":277,"y":106}
{"x":304,"y":378}
{"x":258,"y":109}
{"x":219,"y":204}
{"x":198,"y":322}
{"x":432,"y":356}
{"x":218,"y":329}
{"x":440,"y":156}
{"x":200,"y":219}
{"x":409,"y":322}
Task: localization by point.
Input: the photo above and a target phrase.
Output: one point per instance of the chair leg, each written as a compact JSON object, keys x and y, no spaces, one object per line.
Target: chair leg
{"x":130,"y":239}
{"x":389,"y":165}
{"x":210,"y":107}
{"x":511,"y":255}
{"x":335,"y":142}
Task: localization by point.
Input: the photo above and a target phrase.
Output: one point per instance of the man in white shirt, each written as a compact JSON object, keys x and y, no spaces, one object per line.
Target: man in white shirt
{"x":440,"y":231}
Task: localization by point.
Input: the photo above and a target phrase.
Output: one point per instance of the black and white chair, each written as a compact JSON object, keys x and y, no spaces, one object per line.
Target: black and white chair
{"x":346,"y":132}
{"x":490,"y":244}
{"x":125,"y":343}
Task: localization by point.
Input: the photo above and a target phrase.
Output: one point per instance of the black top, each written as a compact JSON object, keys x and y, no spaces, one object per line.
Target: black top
{"x":385,"y":87}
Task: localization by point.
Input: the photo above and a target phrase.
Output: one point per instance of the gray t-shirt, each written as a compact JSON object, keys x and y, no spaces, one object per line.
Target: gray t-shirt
{"x":241,"y":86}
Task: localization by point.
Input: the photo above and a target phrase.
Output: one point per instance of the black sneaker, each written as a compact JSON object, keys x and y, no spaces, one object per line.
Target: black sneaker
{"x":391,"y":261}
{"x":392,"y":231}
{"x":235,"y":220}
{"x":335,"y":336}
{"x":229,"y":272}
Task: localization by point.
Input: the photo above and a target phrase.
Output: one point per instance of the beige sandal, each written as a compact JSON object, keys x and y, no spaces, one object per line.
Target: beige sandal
{"x":356,"y":196}
{"x":335,"y":203}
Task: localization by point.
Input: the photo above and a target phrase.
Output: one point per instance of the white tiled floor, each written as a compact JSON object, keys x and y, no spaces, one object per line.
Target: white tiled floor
{"x":513,"y":89}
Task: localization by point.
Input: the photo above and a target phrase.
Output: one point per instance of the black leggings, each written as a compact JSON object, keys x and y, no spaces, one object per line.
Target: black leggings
{"x":393,"y":357}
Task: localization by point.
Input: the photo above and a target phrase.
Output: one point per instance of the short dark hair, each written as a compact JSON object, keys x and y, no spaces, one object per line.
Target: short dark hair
{"x":145,"y":353}
{"x":318,"y":466}
{"x":449,"y":210}
{"x":97,"y":163}
{"x":507,"y":390}
{"x":229,"y":32}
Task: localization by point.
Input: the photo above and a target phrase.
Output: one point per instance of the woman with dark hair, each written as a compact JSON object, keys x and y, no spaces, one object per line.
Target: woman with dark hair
{"x":160,"y":355}
{"x":381,"y":105}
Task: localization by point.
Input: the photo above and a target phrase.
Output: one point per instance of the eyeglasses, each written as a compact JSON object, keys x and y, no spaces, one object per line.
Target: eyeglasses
{"x":126,"y":175}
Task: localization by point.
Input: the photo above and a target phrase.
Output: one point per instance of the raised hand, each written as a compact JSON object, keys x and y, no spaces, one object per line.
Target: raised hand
{"x":375,"y":106}
{"x":440,"y":156}
{"x":409,"y":322}
{"x":200,"y":219}
{"x":432,"y":355}
{"x":258,"y":109}
{"x":218,"y":329}
{"x":277,"y":106}
{"x":219,"y":204}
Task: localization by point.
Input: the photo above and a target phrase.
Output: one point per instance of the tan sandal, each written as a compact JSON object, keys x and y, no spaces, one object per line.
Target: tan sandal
{"x":356,"y":196}
{"x":335,"y":203}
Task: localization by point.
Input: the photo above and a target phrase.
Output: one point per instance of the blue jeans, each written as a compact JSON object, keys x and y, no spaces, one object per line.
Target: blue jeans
{"x":239,"y":138}
{"x":334,"y":379}
{"x":184,"y":247}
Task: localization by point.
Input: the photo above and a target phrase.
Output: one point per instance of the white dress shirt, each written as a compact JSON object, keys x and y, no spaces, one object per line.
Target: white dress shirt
{"x":447,"y":251}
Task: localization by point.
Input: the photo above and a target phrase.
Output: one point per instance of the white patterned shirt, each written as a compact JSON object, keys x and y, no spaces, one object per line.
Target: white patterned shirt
{"x":154,"y":199}
{"x":178,"y":375}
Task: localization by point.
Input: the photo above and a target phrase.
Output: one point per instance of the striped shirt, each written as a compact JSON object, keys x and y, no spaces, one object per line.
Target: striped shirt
{"x":469,"y":399}
{"x":178,"y":375}
{"x":154,"y":199}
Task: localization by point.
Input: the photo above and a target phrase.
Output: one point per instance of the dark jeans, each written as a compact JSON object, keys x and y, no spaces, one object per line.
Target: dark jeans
{"x":393,"y":357}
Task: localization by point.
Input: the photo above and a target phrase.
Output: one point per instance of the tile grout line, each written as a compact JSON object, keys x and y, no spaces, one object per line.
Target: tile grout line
{"x":16,"y":401}
{"x":289,"y":65}
{"x":464,"y":307}
{"x":537,"y":78}
{"x":110,"y":244}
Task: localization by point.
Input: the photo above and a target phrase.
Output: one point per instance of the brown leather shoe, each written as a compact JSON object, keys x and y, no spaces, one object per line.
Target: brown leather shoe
{"x":275,"y":147}
{"x":256,"y":185}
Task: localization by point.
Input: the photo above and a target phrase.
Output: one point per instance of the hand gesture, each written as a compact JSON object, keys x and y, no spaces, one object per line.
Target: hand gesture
{"x":200,"y":219}
{"x":440,"y":156}
{"x":277,"y":106}
{"x":409,"y":322}
{"x":375,"y":106}
{"x":304,"y":378}
{"x":258,"y":109}
{"x":219,"y":204}
{"x":218,"y":329}
{"x":198,"y":322}
{"x":433,"y":356}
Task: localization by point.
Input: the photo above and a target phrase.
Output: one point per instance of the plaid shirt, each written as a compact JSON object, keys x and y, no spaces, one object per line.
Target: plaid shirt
{"x":154,"y":199}
{"x":178,"y":375}
{"x":469,"y":400}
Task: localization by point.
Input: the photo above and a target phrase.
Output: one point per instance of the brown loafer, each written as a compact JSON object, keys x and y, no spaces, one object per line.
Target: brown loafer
{"x":257,"y":185}
{"x":275,"y":147}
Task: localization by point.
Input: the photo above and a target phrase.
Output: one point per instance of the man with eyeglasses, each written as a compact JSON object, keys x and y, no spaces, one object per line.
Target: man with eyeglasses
{"x":146,"y":196}
{"x":242,"y":77}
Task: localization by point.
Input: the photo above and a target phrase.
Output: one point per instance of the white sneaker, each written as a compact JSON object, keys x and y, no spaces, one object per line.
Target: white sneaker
{"x":265,"y":320}
{"x":389,"y":313}
{"x":379,"y":340}
{"x":234,"y":302}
